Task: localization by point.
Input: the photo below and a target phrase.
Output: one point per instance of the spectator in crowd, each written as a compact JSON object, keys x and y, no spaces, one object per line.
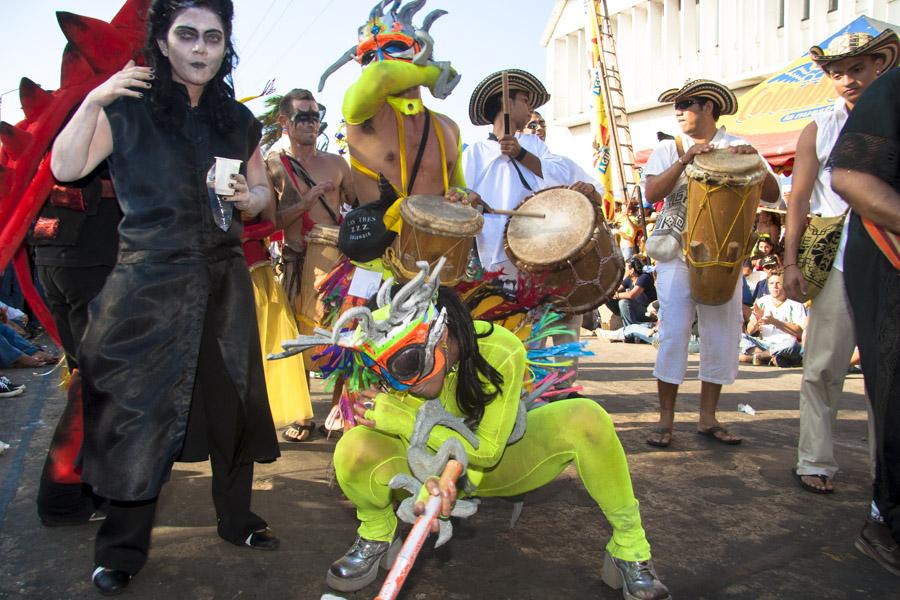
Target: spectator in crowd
{"x":536,"y":125}
{"x":636,"y":293}
{"x":637,"y":333}
{"x":778,"y":323}
{"x":628,"y":226}
{"x":768,"y":267}
{"x":17,"y":352}
{"x":769,"y":223}
{"x":765,"y":248}
{"x":15,"y":318}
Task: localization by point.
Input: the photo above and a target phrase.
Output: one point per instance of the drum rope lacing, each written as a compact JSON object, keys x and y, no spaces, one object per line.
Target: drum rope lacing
{"x":398,"y":268}
{"x":704,"y":207}
{"x":598,"y":280}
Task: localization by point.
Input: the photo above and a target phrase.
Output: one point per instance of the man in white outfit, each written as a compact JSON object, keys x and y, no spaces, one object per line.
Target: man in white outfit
{"x":698,"y":105}
{"x":830,"y":337}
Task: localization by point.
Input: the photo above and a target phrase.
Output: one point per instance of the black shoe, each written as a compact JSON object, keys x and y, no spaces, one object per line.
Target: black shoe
{"x":72,"y":520}
{"x":110,"y":581}
{"x":263,"y":539}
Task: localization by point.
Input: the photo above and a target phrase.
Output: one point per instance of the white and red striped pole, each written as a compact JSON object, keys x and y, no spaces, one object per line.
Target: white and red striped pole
{"x":416,"y":538}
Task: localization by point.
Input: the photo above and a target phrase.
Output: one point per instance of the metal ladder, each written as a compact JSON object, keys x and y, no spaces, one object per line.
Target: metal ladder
{"x":620,"y":134}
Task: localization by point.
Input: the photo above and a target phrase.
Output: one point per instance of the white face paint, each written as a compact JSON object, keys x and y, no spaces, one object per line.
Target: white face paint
{"x":195,"y":47}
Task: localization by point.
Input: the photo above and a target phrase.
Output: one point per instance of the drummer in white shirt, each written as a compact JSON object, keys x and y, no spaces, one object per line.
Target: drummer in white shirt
{"x":698,"y":105}
{"x":505,"y":168}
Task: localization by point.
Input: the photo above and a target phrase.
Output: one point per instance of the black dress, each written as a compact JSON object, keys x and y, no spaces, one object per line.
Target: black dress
{"x":179,"y":278}
{"x":870,"y":143}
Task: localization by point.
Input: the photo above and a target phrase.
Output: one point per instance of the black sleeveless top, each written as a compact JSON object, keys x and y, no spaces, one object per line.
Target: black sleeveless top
{"x":160,"y":178}
{"x":178,"y":278}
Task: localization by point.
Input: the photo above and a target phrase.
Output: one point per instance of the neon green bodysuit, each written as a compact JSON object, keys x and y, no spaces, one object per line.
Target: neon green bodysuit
{"x":366,"y":459}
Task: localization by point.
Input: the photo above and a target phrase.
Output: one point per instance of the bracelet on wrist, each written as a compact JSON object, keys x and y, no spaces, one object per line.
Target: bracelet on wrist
{"x":791,"y":265}
{"x":522,"y":154}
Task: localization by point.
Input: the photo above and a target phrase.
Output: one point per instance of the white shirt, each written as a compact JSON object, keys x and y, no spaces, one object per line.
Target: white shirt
{"x":824,"y":201}
{"x":666,"y":154}
{"x":13,"y":313}
{"x":496,"y":180}
{"x":789,"y":311}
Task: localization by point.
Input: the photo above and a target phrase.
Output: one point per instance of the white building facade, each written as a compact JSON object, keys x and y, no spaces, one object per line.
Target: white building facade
{"x":662,"y":43}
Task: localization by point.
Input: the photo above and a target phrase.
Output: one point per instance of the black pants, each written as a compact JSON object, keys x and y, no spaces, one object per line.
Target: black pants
{"x":123,"y":539}
{"x":62,"y":499}
{"x":873,"y":288}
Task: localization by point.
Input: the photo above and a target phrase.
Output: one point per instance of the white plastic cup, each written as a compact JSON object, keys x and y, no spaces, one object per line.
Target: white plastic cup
{"x":225,"y":168}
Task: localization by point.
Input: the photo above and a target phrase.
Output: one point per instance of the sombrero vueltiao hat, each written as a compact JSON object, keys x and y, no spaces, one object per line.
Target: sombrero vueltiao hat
{"x":703,"y":88}
{"x":886,"y":44}
{"x":493,"y":85}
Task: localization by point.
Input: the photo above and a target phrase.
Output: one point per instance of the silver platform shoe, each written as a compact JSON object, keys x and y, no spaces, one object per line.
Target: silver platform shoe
{"x":359,"y":566}
{"x":637,"y":580}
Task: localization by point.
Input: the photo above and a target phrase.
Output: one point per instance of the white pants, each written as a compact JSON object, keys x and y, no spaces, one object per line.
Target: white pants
{"x":829,"y":343}
{"x":720,"y":329}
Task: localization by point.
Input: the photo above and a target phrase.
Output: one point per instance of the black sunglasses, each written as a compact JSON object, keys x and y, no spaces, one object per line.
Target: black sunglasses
{"x":686,"y":104}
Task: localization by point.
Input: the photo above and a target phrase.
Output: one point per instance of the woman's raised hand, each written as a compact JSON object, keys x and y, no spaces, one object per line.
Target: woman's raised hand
{"x":130,"y":81}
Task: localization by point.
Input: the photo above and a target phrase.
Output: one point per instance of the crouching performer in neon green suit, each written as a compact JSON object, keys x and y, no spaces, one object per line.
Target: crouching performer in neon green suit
{"x":422,"y":344}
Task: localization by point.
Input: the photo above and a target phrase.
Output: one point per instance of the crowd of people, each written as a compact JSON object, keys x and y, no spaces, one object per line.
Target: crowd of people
{"x":424,"y":365}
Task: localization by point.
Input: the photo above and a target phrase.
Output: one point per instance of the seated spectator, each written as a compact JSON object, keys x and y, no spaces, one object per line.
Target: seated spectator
{"x":769,"y":266}
{"x":778,"y":321}
{"x":635,"y":294}
{"x":765,"y":248}
{"x":636,"y":333}
{"x":13,"y":317}
{"x":16,"y":351}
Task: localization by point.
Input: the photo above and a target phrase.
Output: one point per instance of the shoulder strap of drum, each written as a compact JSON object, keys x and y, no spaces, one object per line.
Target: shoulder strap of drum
{"x":308,"y":180}
{"x":679,"y":146}
{"x":422,"y":143}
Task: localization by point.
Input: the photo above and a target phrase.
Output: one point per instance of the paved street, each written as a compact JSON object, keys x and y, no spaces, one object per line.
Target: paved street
{"x":724,"y":522}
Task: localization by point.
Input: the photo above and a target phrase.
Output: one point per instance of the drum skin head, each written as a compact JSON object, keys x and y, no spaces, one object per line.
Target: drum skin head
{"x":570,"y":220}
{"x":725,"y":166}
{"x":434,"y":214}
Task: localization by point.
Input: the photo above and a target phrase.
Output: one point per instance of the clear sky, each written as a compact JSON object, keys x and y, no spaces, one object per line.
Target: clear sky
{"x":294,"y":41}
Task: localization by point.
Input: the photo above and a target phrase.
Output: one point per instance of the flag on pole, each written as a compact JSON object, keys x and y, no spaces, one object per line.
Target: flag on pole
{"x":600,"y":122}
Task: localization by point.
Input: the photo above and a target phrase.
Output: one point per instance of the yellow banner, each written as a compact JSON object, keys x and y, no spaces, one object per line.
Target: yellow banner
{"x":600,"y":121}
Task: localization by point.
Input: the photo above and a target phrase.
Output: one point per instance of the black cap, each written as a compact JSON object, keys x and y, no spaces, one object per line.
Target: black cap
{"x":363,"y":235}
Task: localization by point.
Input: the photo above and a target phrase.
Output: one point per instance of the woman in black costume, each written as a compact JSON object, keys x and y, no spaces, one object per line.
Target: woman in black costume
{"x":171,"y":360}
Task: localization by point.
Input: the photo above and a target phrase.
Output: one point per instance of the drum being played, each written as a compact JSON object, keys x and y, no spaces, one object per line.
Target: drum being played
{"x":723,"y":192}
{"x":570,"y":253}
{"x":434,"y":227}
{"x":322,"y":255}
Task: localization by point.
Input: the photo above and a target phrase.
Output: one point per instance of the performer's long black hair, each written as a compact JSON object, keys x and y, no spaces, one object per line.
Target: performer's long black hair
{"x":475,"y":373}
{"x":168,"y":107}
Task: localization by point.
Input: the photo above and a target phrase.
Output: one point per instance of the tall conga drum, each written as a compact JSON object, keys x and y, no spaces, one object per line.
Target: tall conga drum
{"x":322,"y":255}
{"x":723,"y":192}
{"x":434,"y":227}
{"x":570,"y":253}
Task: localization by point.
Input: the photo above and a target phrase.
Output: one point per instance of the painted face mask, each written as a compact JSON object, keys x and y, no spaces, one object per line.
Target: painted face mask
{"x":389,"y":34}
{"x":409,"y":355}
{"x":400,"y":341}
